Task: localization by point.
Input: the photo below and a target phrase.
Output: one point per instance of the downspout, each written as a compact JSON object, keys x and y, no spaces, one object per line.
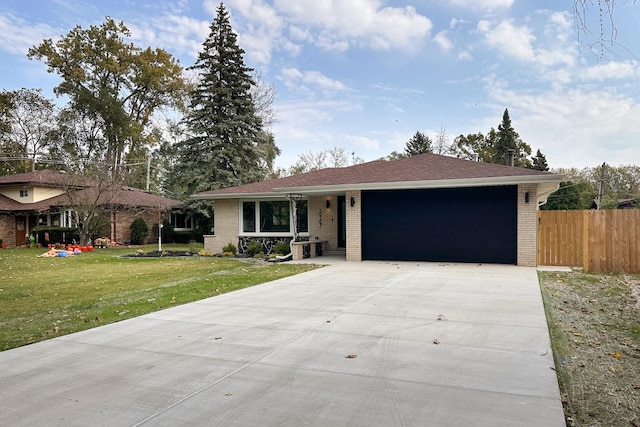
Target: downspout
{"x":292,"y":203}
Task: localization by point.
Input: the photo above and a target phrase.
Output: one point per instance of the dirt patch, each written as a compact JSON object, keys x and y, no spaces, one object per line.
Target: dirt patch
{"x":594,"y":320}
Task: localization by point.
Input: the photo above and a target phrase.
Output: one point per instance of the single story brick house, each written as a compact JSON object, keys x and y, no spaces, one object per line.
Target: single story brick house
{"x":422,"y":208}
{"x":42,"y":198}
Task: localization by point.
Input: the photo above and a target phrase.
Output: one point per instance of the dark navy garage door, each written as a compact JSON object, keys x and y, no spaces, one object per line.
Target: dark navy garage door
{"x":475,"y":224}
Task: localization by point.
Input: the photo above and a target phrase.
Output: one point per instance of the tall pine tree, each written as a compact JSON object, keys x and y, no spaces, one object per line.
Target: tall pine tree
{"x":539,"y":162}
{"x":223,"y":146}
{"x":418,"y":144}
{"x":508,"y":138}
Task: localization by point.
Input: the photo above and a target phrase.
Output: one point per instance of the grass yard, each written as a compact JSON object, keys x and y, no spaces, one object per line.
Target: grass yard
{"x":41,"y":298}
{"x":594,"y":321}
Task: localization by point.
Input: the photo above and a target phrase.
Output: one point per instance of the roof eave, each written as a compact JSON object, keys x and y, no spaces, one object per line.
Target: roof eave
{"x":443,"y":183}
{"x":237,"y":196}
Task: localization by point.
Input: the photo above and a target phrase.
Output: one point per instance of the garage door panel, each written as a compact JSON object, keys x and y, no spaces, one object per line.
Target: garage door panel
{"x":462,"y":225}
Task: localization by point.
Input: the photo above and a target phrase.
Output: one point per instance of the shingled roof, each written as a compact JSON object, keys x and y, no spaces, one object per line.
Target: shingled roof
{"x":122,"y":196}
{"x":422,"y":171}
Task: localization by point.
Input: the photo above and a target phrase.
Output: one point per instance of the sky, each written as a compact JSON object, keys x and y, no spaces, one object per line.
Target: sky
{"x":365,"y":75}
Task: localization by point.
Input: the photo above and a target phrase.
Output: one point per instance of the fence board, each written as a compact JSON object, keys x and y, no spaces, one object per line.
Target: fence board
{"x":597,"y":240}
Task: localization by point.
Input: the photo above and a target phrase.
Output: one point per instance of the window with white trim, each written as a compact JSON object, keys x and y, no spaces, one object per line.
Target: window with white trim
{"x":181,"y":221}
{"x":272,"y":216}
{"x":24,"y":193}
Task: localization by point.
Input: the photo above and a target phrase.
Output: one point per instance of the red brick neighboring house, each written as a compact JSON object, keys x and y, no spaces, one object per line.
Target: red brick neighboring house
{"x":422,"y":208}
{"x":41,"y":198}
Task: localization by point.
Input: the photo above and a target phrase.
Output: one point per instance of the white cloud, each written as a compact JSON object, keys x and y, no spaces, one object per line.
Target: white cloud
{"x":178,"y":34}
{"x":443,"y":41}
{"x":338,"y":23}
{"x":18,"y":35}
{"x":519,"y":42}
{"x":362,"y":141}
{"x":482,"y":4}
{"x":310,"y":80}
{"x":465,"y":56}
{"x":574,"y":127}
{"x":612,"y":70}
{"x":509,"y":39}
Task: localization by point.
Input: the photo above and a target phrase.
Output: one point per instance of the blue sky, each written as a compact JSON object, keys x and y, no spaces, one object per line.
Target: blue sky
{"x":367,"y":74}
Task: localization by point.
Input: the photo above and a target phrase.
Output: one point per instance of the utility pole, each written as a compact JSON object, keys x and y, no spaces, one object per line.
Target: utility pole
{"x":601,"y":186}
{"x":148,"y":170}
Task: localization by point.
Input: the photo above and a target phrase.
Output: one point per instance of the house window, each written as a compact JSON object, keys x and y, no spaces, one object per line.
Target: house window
{"x":272,"y":216}
{"x":68,"y":218}
{"x":181,"y":221}
{"x":249,"y":217}
{"x":24,"y":193}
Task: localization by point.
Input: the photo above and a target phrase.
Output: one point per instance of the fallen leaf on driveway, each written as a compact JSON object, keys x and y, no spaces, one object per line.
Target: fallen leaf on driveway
{"x":436,"y":342}
{"x":440,"y":317}
{"x":351,"y":356}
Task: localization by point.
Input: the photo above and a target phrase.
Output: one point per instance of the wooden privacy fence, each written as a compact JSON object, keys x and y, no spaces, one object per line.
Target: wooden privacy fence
{"x":597,"y":240}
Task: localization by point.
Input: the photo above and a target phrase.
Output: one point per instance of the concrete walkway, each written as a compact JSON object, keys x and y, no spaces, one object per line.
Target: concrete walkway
{"x":351,"y":344}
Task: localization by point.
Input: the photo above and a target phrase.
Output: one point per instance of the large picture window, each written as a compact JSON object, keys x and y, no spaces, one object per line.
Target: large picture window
{"x":272,"y":216}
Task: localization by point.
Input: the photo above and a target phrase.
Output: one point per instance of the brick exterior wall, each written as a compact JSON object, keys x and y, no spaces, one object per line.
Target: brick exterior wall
{"x":226,"y":225}
{"x":8,"y":230}
{"x":121,"y":233}
{"x":354,"y":227}
{"x":323,"y":221}
{"x":527,"y":225}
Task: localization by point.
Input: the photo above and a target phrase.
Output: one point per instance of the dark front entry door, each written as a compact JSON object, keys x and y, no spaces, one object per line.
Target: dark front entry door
{"x":342,"y":222}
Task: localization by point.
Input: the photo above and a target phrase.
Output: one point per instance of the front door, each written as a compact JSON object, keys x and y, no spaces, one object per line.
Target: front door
{"x":21,"y":229}
{"x":342,"y":222}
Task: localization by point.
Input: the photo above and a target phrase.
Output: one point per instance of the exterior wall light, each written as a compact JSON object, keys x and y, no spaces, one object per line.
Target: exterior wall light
{"x":526,"y":197}
{"x":328,"y":203}
{"x":352,"y":202}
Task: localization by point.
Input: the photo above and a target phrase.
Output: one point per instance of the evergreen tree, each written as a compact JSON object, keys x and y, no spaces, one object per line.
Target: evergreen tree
{"x":508,"y":138}
{"x":418,"y":144}
{"x":540,"y":162}
{"x":225,"y":133}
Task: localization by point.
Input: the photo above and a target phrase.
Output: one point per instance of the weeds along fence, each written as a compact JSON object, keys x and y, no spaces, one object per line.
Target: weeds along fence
{"x":597,"y":240}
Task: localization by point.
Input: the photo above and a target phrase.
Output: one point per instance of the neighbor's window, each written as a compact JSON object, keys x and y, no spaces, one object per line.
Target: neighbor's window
{"x":24,"y":193}
{"x":273,"y":217}
{"x":182,"y":221}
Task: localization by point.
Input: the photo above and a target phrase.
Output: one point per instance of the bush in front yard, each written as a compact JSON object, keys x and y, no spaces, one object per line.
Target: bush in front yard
{"x":254,"y":248}
{"x":139,"y":231}
{"x":281,"y":248}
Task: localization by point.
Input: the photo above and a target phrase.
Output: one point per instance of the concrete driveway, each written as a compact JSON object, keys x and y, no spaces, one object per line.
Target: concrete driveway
{"x":352,"y":344}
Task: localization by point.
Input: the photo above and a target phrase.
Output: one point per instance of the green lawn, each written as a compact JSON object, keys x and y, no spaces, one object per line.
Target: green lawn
{"x":41,"y":298}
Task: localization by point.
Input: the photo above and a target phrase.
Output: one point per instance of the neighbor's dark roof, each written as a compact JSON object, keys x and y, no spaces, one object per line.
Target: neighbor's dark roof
{"x":421,"y":168}
{"x":122,"y":196}
{"x":44,"y":178}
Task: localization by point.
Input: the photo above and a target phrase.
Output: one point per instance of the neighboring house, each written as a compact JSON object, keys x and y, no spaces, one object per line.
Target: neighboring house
{"x":422,"y":208}
{"x":42,"y":198}
{"x":622,"y":204}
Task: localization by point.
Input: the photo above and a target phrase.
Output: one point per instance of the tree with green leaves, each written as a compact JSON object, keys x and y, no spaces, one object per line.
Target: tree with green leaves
{"x":570,"y":196}
{"x":225,"y":143}
{"x":114,"y":83}
{"x":539,"y":162}
{"x":31,"y":121}
{"x":419,"y":143}
{"x":475,"y":146}
{"x":494,"y":146}
{"x":6,"y":105}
